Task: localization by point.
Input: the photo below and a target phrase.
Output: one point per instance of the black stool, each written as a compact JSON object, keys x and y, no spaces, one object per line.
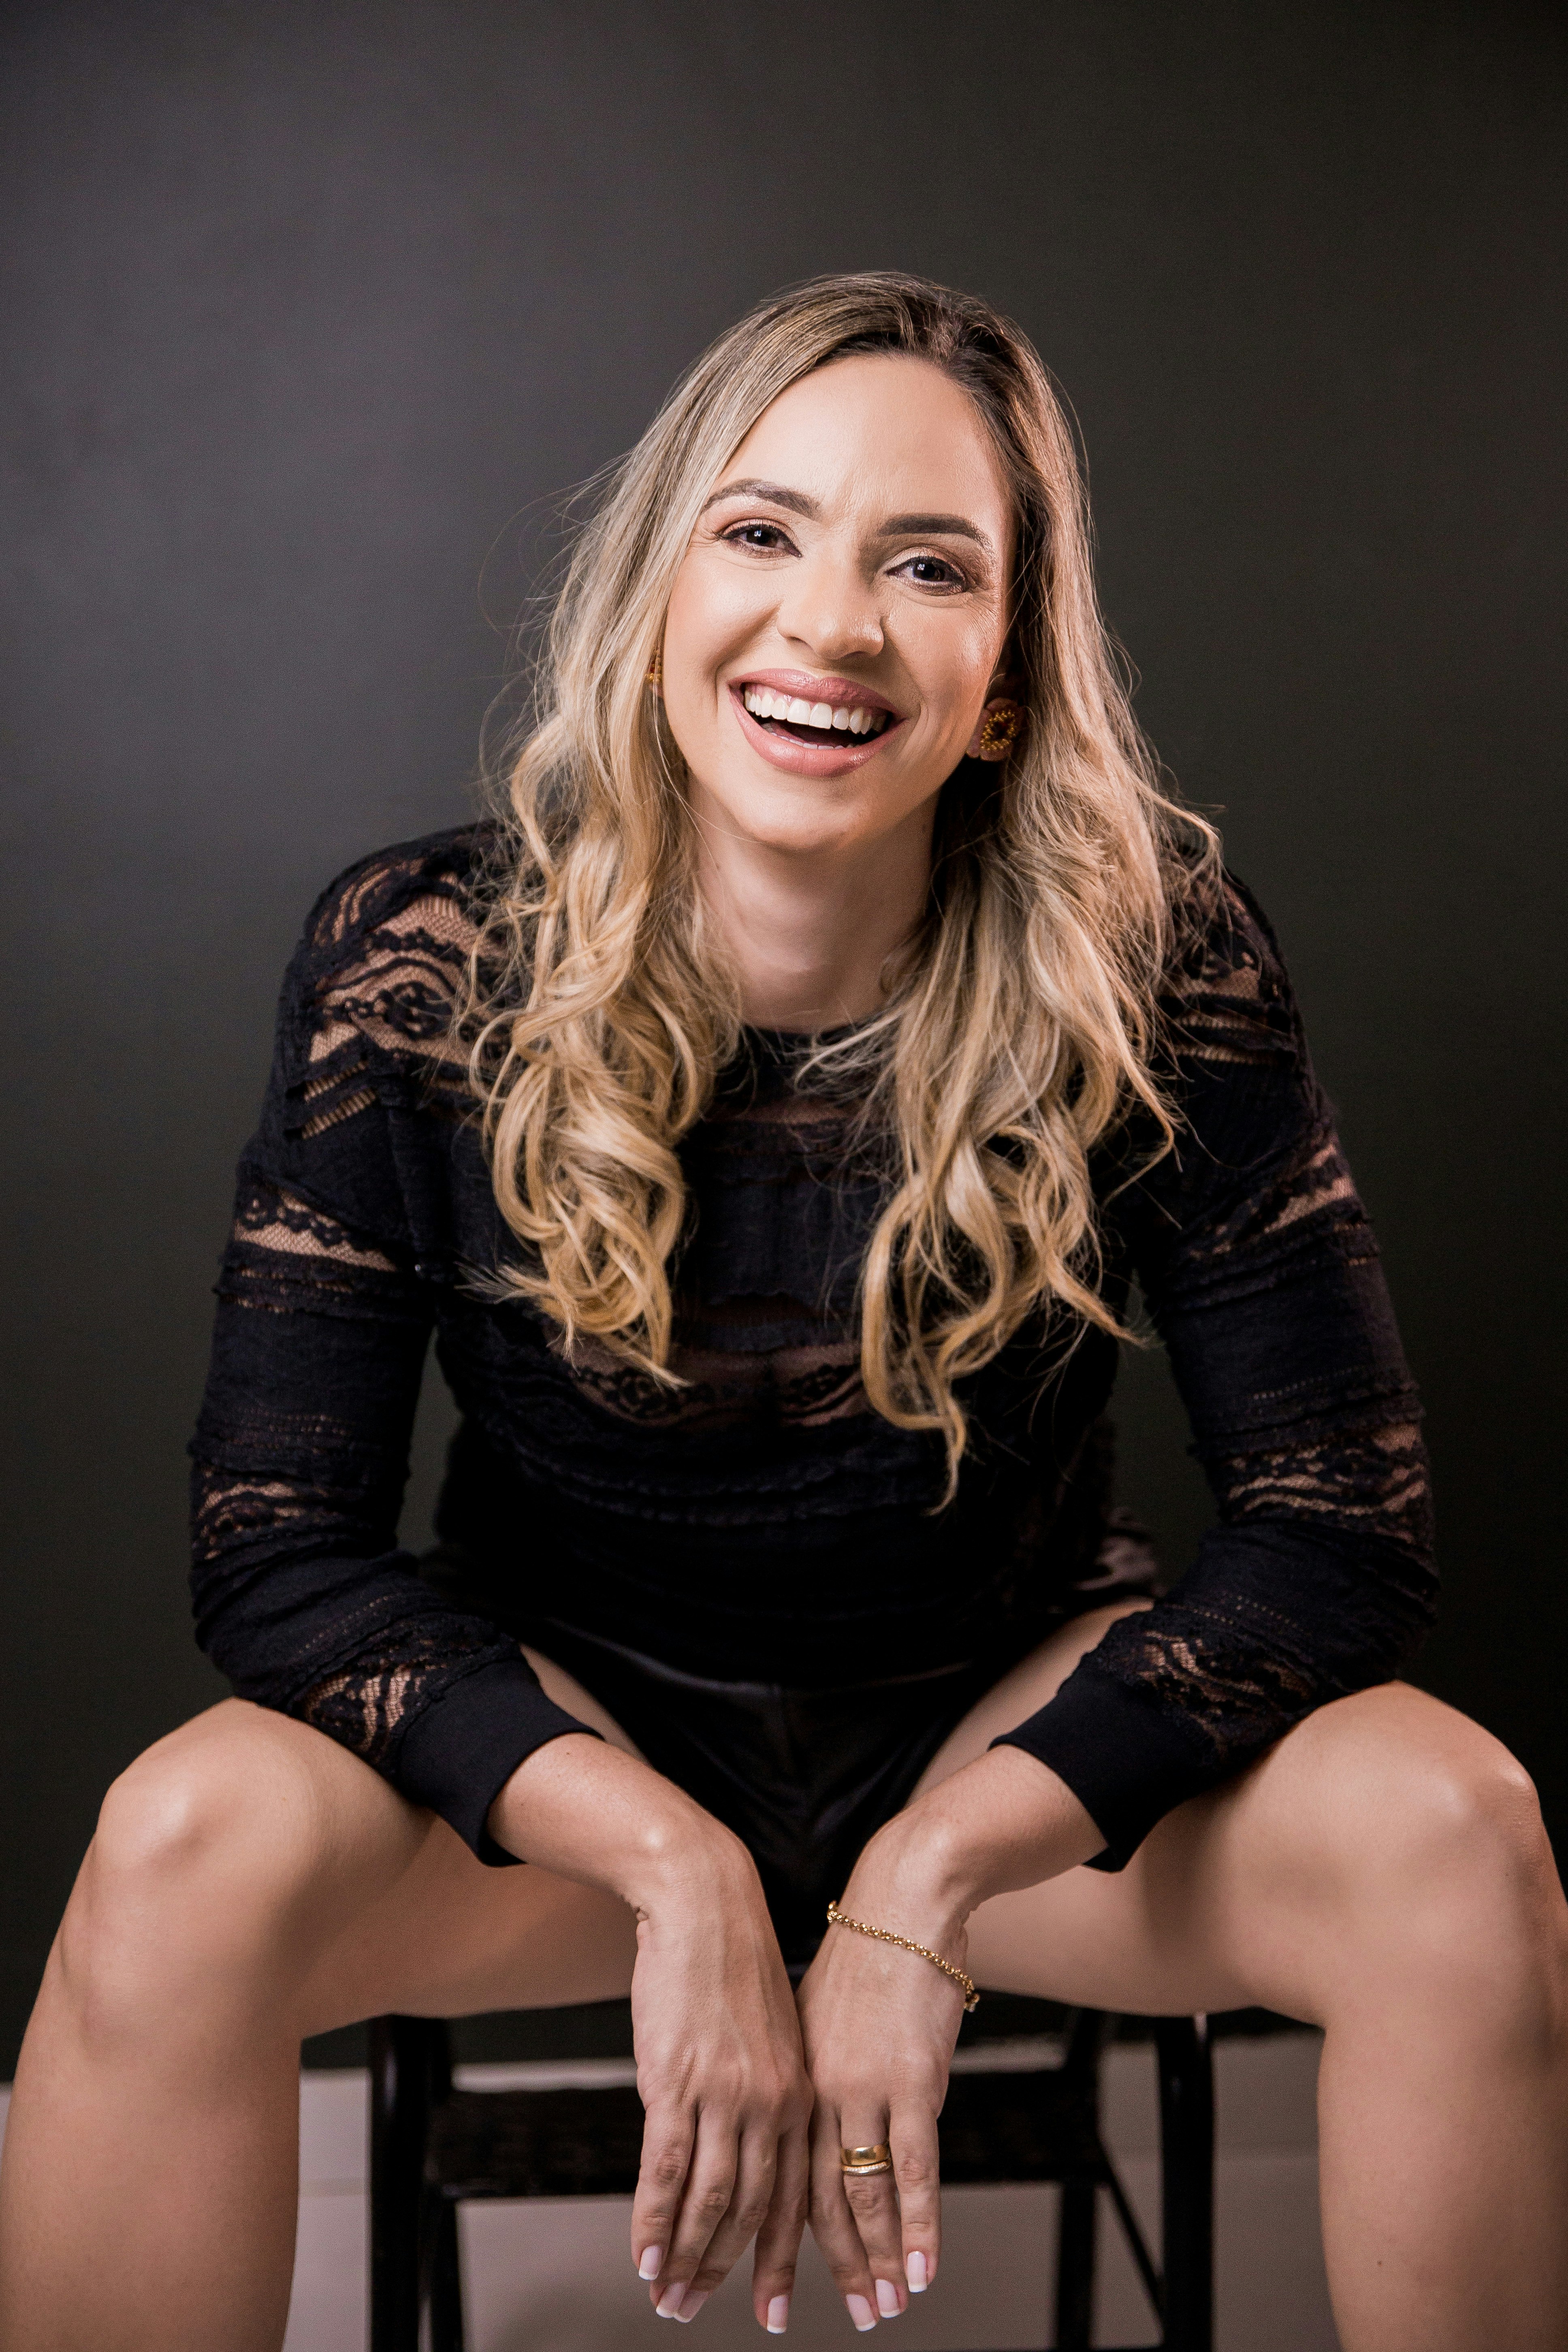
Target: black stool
{"x":1018,"y":2108}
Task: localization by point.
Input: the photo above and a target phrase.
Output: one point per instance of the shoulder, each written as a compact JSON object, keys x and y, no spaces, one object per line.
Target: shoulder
{"x":376,"y":980}
{"x":431,"y":883}
{"x":1226,"y":997}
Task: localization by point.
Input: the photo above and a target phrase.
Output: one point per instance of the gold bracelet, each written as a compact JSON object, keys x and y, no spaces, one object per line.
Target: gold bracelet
{"x":836,"y":1918}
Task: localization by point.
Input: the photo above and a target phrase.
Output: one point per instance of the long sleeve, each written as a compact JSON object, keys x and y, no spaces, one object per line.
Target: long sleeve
{"x":301,"y":1594}
{"x":1260,"y":1269}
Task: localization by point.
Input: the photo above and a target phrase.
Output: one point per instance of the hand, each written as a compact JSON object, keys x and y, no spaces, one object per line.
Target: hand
{"x":720,"y":2070}
{"x":879,"y":2023}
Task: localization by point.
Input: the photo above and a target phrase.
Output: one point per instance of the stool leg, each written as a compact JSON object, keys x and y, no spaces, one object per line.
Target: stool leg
{"x":1076,"y":2248}
{"x":1078,"y":2221}
{"x":1187,"y":2148}
{"x":399,"y":2122}
{"x":447,"y":2283}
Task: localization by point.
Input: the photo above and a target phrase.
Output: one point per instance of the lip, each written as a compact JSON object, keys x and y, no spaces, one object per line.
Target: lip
{"x":801,"y":684}
{"x":812,"y":758}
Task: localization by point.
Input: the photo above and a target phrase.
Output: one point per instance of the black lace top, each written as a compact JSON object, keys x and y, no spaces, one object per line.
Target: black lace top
{"x":761,"y":1523}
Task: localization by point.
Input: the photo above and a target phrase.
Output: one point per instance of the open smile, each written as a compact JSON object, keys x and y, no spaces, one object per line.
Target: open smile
{"x":811,"y":722}
{"x":813,"y":726}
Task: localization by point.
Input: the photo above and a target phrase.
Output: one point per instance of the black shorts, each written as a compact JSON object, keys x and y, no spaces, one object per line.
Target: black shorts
{"x":803,"y":1777}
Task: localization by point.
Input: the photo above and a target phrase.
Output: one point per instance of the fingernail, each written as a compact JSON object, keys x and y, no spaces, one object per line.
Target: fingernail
{"x":778,"y":2314}
{"x":693,"y":2304}
{"x":915,"y":2271}
{"x":668,"y":2305}
{"x":861,"y":2312}
{"x":652,"y":2256}
{"x":889,"y":2302}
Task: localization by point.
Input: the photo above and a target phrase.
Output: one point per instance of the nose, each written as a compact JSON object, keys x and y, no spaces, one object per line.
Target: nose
{"x":829,"y":608}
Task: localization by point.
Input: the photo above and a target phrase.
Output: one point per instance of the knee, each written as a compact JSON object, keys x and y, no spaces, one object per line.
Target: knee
{"x":202,"y":1853}
{"x":1454,"y":1887}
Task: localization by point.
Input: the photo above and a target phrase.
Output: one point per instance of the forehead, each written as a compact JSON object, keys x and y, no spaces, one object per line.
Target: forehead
{"x":879,"y":430}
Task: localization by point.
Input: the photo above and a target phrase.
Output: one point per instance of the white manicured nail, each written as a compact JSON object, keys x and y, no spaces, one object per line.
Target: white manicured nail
{"x":652,"y":2257}
{"x":888,"y":2301}
{"x":861,"y":2312}
{"x":693,"y":2304}
{"x":668,"y":2305}
{"x":915,"y":2271}
{"x":778,"y":2314}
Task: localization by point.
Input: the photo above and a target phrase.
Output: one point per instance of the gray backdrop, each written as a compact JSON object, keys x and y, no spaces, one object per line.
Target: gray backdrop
{"x":309,"y":307}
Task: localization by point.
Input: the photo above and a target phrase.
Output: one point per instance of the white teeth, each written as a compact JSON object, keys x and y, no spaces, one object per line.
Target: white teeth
{"x":765,"y":703}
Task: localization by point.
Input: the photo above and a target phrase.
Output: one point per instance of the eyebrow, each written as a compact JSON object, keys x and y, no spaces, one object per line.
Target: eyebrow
{"x":905,"y":525}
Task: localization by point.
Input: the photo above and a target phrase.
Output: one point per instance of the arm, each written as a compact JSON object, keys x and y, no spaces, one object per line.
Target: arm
{"x":301,"y":1594}
{"x":1261,"y":1270}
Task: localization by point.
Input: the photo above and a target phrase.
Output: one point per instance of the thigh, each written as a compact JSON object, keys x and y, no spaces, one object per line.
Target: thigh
{"x":450,"y":1936}
{"x":267,"y":1857}
{"x":1242,"y":1896}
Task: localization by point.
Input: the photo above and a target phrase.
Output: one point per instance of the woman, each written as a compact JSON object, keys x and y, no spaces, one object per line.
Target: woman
{"x":850,"y":1018}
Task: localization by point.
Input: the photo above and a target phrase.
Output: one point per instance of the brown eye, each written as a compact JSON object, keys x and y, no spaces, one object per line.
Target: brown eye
{"x":764,"y":535}
{"x":932,"y":571}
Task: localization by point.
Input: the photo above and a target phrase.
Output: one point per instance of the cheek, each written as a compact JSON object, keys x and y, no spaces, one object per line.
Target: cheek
{"x":712,"y":606}
{"x":957,"y":669}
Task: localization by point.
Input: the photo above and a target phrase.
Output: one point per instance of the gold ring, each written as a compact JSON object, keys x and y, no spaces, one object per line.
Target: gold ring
{"x":864,"y":2160}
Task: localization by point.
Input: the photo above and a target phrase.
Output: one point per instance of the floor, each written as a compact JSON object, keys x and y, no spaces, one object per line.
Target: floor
{"x":557,"y":2277}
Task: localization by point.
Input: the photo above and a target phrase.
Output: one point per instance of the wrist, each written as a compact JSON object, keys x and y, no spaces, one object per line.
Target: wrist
{"x":590,"y":1813}
{"x":913,"y":1877}
{"x":683,"y":1855}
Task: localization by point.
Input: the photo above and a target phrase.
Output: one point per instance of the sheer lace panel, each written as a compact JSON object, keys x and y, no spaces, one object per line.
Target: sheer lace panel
{"x":799,"y":1386}
{"x":229,"y":1511}
{"x":363,"y":1707}
{"x":270,"y":1219}
{"x":1311,"y":1183}
{"x":1227,"y":1000}
{"x":394,"y":995}
{"x":1358,"y":1481}
{"x":1238,"y":1669}
{"x":286,"y":1257}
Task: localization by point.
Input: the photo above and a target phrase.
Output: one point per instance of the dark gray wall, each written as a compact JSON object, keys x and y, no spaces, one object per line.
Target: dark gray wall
{"x":306,"y":306}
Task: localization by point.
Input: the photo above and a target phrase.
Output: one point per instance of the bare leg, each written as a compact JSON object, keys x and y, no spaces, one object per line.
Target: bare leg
{"x":1383,"y":1873}
{"x":250,"y":1881}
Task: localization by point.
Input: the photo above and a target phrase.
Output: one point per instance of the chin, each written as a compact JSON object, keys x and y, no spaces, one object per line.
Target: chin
{"x":802,"y":824}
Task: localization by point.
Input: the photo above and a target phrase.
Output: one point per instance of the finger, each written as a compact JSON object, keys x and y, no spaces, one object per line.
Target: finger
{"x":705,"y":2200}
{"x":833,"y":2225}
{"x":668,"y":2137}
{"x":750,"y":2199}
{"x":778,"y":2239}
{"x":873,"y":2203}
{"x":917,"y":2170}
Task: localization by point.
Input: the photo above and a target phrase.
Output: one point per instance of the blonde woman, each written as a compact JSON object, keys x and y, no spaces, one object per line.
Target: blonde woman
{"x":768,"y":1108}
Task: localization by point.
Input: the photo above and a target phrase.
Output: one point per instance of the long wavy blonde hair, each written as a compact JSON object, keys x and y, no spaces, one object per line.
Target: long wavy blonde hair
{"x":1020,"y":1021}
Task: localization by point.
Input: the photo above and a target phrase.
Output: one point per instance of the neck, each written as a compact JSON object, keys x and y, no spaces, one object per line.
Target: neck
{"x":807,"y":932}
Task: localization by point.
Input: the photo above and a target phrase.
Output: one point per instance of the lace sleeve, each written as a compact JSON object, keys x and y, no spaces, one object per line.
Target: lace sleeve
{"x":1261,"y":1273}
{"x":301,"y":1592}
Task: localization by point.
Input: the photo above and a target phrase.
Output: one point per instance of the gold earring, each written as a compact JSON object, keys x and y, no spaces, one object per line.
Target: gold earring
{"x":1000,"y":729}
{"x":656,"y":672}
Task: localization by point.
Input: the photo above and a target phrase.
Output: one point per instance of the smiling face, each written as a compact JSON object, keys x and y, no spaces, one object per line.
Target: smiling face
{"x":841,"y":611}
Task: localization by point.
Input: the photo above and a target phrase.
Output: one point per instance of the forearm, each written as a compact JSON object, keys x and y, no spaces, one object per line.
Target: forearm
{"x":590,"y":1813}
{"x":1004,"y":1821}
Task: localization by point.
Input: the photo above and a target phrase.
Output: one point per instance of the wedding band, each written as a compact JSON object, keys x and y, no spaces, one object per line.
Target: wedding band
{"x":864,"y":2160}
